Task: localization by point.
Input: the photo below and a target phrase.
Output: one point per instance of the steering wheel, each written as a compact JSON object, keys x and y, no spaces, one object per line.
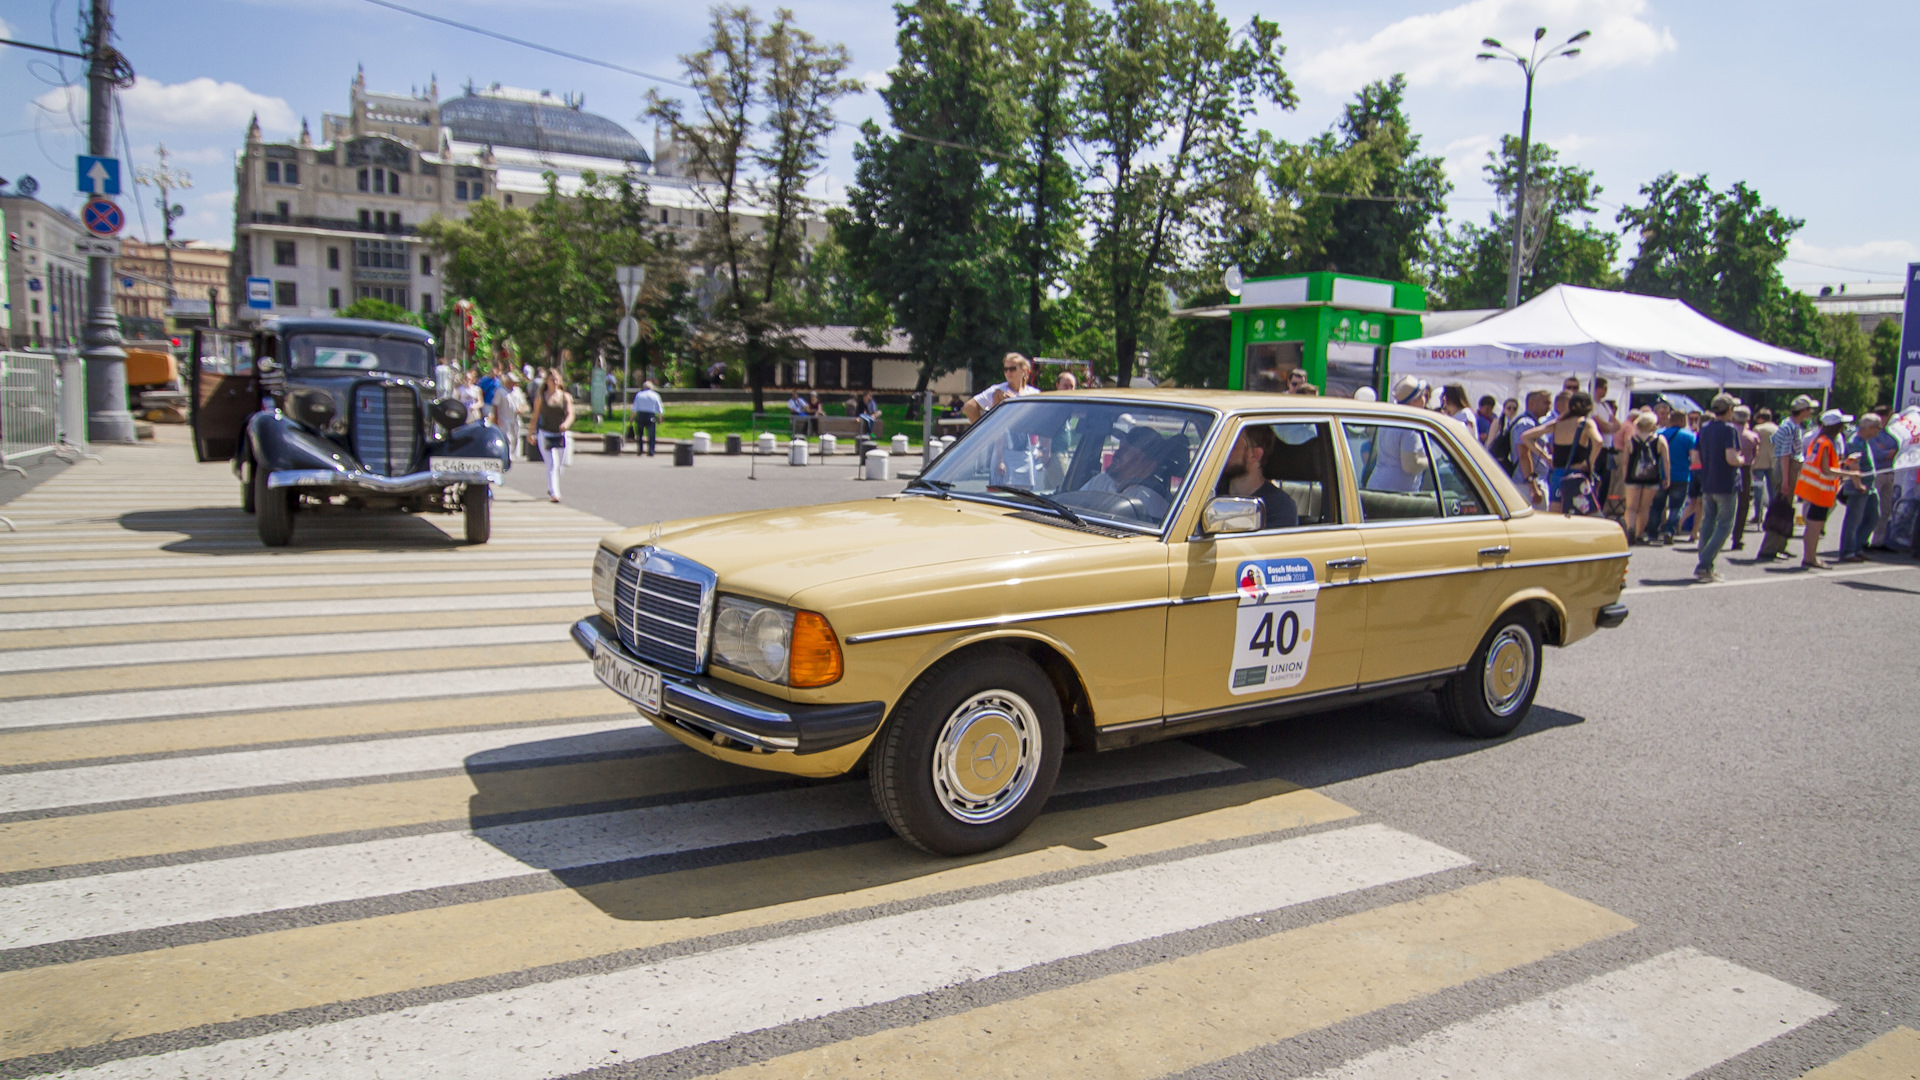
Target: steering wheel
{"x":1108,"y":504}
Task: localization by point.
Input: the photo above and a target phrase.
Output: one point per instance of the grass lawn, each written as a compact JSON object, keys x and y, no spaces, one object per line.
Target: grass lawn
{"x":719,"y":420}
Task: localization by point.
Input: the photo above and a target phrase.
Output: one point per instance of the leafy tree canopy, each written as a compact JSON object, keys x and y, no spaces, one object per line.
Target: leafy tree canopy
{"x":1470,"y":266}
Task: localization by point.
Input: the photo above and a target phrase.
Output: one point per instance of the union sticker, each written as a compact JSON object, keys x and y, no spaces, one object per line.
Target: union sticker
{"x":1273,"y":625}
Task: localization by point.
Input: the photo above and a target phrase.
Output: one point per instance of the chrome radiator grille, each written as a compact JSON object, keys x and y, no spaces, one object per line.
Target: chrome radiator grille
{"x":386,"y":425}
{"x":662,"y":607}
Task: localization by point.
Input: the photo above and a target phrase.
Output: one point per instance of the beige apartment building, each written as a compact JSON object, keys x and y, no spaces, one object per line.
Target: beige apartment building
{"x":200,"y":273}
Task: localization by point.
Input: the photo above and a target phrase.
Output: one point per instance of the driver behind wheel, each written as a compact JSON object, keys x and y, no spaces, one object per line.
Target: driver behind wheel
{"x":1129,"y":473}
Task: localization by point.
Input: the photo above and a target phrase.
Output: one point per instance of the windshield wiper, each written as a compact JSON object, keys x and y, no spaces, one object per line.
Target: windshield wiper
{"x":938,"y":488}
{"x":1044,"y":500}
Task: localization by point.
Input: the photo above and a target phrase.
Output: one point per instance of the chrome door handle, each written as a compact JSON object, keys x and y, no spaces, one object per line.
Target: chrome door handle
{"x":1348,"y":563}
{"x":1497,"y":549}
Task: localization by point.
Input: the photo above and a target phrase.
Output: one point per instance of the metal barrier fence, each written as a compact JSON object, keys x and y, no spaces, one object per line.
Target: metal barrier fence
{"x":29,"y":407}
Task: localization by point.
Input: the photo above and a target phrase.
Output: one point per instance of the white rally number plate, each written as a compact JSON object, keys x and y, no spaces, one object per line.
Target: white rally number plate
{"x":637,"y":683}
{"x":479,"y":466}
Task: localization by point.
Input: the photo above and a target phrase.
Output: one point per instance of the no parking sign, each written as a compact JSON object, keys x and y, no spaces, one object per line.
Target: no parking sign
{"x":102,"y":217}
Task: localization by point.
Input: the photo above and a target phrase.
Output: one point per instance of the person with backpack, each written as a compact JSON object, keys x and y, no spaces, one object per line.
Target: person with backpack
{"x":1647,"y":470}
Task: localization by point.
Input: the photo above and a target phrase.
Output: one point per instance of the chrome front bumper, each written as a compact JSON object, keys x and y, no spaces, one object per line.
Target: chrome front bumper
{"x":356,"y":479}
{"x":755,"y":720}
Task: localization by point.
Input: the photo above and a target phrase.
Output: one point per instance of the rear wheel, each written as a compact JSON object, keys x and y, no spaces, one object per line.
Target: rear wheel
{"x":272,"y":511}
{"x":478,"y":504}
{"x":971,"y":754}
{"x":1494,"y":693}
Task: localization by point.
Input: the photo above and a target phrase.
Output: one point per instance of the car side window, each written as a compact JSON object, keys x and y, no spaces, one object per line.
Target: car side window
{"x":1290,"y":467}
{"x":1458,"y":496}
{"x":1394,"y":465}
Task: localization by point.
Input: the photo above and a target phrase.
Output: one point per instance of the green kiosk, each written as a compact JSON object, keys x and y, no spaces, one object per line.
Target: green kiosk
{"x":1336,"y":327}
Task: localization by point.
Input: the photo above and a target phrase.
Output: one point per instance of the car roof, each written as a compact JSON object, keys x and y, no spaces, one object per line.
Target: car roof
{"x":1234,"y":402}
{"x":371,"y":327}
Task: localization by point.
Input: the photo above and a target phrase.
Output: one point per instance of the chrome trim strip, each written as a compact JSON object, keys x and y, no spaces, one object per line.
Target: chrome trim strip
{"x":1495,"y":566}
{"x":374,"y":482}
{"x":1004,"y":620}
{"x":1403,"y":523}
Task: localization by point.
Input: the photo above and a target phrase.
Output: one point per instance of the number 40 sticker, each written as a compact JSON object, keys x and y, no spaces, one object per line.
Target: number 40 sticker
{"x":1273,"y":625}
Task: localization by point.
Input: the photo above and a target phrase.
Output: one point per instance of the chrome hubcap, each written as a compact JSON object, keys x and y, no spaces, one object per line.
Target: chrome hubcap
{"x":984,"y":761}
{"x":1509,"y":673}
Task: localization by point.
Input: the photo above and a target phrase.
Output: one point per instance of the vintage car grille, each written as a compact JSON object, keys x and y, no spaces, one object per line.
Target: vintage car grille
{"x":386,"y":425}
{"x":662,"y":605}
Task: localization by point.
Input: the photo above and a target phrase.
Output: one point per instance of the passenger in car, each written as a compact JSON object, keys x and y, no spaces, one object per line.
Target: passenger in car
{"x":1131,"y":469}
{"x":1245,"y":477}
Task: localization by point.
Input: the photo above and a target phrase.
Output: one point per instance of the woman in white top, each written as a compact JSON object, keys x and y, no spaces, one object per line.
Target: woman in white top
{"x":1019,"y":372}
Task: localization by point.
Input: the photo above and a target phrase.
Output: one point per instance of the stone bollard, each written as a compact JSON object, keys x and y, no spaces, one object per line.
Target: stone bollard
{"x":861,"y":446}
{"x":827,"y":443}
{"x":900,"y":445}
{"x":878,"y":464}
{"x":766,"y":442}
{"x":797,"y":452}
{"x":733,"y":444}
{"x":702,"y":442}
{"x":682,"y":453}
{"x":610,"y":444}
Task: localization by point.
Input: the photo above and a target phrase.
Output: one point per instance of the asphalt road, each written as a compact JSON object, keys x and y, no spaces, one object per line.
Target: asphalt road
{"x":357,"y":808}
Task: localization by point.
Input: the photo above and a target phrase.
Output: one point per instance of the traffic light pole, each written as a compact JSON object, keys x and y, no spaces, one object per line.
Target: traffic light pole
{"x":108,"y":420}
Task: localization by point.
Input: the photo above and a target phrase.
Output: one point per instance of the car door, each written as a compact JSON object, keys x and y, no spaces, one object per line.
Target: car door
{"x":1434,"y":539}
{"x":225,"y":394}
{"x":1264,"y":618}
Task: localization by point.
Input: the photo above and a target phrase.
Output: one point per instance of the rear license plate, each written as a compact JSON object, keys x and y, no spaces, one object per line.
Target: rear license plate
{"x":474,"y":465}
{"x":637,"y":683}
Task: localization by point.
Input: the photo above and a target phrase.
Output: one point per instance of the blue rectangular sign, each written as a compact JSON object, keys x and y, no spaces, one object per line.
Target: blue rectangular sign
{"x":1907,"y":386}
{"x":97,"y":175}
{"x":259,"y":293}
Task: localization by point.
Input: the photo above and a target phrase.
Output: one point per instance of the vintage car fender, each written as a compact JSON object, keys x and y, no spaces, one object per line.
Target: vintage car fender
{"x":1558,"y":632}
{"x":274,"y":442}
{"x":477,"y":439}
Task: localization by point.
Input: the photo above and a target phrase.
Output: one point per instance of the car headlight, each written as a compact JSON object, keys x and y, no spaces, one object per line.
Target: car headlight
{"x":775,"y":644}
{"x":606,"y":566}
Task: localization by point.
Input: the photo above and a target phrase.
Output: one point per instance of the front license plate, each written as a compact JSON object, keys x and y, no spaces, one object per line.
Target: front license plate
{"x":476,"y":465}
{"x":637,"y":683}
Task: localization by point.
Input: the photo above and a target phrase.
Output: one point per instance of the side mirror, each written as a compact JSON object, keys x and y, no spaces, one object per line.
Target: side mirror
{"x":450,"y":412}
{"x":1229,"y":515}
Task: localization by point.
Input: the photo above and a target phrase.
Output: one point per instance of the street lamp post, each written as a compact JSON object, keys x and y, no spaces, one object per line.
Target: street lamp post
{"x":168,"y":179}
{"x":1529,"y":64}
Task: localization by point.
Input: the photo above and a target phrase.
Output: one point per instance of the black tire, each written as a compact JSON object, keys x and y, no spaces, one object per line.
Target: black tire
{"x":478,"y":504}
{"x":246,"y":488}
{"x":1493,"y":694}
{"x":991,"y":707}
{"x":272,"y":511}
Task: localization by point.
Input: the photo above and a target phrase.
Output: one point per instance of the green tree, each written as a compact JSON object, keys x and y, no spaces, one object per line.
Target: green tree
{"x":379,"y":311}
{"x":1049,"y":42}
{"x":928,"y":226}
{"x":1720,"y":251}
{"x":1884,"y":344}
{"x":1470,"y":265}
{"x":1168,"y":90}
{"x":756,"y":133}
{"x":1855,"y":388}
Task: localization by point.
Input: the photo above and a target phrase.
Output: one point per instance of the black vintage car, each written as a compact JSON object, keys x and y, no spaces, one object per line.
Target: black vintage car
{"x":340,"y":413}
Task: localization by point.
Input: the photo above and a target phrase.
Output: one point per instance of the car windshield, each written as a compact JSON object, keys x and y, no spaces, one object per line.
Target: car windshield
{"x":358,"y":352}
{"x":1123,"y":463}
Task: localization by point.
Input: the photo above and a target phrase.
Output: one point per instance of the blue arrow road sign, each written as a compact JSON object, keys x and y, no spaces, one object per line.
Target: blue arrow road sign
{"x":97,"y":175}
{"x":102,"y":217}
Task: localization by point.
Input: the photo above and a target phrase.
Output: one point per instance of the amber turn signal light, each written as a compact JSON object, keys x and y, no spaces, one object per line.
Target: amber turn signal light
{"x":815,"y":659}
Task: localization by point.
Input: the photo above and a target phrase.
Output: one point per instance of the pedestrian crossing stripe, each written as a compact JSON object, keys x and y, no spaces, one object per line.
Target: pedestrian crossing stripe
{"x":1893,"y":1056}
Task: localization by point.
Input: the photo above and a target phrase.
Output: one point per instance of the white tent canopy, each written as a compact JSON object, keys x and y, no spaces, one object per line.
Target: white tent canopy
{"x":1645,"y":342}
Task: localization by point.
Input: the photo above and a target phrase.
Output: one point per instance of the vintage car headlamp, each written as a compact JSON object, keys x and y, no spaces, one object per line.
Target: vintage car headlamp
{"x":311,"y":406}
{"x":775,"y":644}
{"x":606,"y":569}
{"x":449,"y":412}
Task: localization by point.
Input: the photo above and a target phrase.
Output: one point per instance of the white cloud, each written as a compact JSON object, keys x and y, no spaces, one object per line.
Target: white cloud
{"x":200,"y":104}
{"x":1437,"y":49}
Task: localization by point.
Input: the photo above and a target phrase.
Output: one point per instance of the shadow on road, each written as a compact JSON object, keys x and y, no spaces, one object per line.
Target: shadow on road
{"x":663,"y":834}
{"x":226,"y":530}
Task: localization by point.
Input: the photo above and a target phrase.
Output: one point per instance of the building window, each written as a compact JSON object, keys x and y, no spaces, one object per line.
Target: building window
{"x":284,"y":294}
{"x":460,"y":190}
{"x":333,"y":299}
{"x":663,"y":215}
{"x":392,"y":294}
{"x":363,"y":182}
{"x":426,"y":266}
{"x":36,"y":307}
{"x":366,"y":220}
{"x":333,"y":258}
{"x":379,"y":221}
{"x":285,"y":210}
{"x":283,"y":254}
{"x":380,"y":255}
{"x":509,"y":200}
{"x":291,"y":173}
{"x":273,"y":172}
{"x":394,"y":220}
{"x":426,"y":303}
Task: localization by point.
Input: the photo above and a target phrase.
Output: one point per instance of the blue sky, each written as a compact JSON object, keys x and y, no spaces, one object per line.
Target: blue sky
{"x":1803,"y":103}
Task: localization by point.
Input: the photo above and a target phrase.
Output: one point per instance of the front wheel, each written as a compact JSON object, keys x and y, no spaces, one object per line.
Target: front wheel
{"x":246,"y":488}
{"x":971,"y":754}
{"x":478,"y":504}
{"x":272,"y":510}
{"x":1493,"y":694}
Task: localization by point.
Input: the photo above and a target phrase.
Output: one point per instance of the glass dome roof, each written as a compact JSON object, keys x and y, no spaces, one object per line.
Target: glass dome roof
{"x":538,"y":126}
